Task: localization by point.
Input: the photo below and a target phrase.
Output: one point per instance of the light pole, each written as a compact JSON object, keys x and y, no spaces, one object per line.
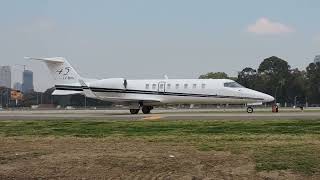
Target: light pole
{"x":8,"y":100}
{"x":85,"y":102}
{"x":1,"y":98}
{"x":37,"y":98}
{"x":306,"y":101}
{"x":275,"y":95}
{"x":1,"y":82}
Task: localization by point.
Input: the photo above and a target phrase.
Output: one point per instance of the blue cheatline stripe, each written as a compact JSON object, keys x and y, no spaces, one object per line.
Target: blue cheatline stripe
{"x":132,"y":91}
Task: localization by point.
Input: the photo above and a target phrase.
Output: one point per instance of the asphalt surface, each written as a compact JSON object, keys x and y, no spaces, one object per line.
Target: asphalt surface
{"x":164,"y":114}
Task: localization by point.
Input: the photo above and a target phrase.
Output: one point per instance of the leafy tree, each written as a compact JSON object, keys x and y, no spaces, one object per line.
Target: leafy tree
{"x":297,"y":86}
{"x":29,"y":99}
{"x":313,"y":82}
{"x":274,"y":73}
{"x":274,"y":66}
{"x":248,"y":77}
{"x":214,"y":75}
{"x":275,"y":77}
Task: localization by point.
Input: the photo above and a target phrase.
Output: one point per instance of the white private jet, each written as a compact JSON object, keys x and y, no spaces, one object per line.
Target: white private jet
{"x":144,"y":94}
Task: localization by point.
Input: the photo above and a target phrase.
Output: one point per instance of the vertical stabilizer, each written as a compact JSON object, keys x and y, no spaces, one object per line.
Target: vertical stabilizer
{"x":60,"y":69}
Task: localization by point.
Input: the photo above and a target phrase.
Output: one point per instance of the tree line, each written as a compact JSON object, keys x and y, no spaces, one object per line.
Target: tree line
{"x":275,"y":77}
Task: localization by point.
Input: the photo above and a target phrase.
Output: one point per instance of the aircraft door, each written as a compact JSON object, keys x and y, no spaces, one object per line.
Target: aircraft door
{"x":162,"y":87}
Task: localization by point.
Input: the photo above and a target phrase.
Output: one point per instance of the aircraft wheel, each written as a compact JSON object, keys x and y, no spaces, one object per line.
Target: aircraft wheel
{"x":146,"y":109}
{"x":249,"y":110}
{"x":134,"y":111}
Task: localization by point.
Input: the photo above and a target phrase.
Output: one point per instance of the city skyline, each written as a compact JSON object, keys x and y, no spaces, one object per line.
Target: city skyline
{"x":26,"y":85}
{"x":5,"y":76}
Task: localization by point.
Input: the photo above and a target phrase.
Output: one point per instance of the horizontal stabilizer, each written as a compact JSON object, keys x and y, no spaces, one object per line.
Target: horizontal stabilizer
{"x":50,"y":60}
{"x":64,"y":92}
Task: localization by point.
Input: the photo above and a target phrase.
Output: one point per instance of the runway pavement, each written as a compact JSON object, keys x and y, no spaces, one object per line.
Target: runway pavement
{"x":160,"y":114}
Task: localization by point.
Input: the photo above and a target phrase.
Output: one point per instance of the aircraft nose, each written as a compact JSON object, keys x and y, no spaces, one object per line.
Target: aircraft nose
{"x":262,"y":96}
{"x":268,"y":98}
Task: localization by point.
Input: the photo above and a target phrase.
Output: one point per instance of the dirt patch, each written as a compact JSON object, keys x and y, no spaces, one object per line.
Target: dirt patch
{"x":93,"y":158}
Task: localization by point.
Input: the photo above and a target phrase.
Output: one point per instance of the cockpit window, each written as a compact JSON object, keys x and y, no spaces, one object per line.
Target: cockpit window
{"x":232,"y":85}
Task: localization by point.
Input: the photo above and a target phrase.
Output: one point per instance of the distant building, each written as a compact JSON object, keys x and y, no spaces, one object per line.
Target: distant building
{"x":27,"y":81}
{"x":5,"y":76}
{"x":17,"y":86}
{"x":317,"y":59}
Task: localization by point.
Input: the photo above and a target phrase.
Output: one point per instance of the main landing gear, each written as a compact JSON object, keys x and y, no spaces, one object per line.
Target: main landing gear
{"x":134,"y":111}
{"x":249,"y":110}
{"x":145,"y":110}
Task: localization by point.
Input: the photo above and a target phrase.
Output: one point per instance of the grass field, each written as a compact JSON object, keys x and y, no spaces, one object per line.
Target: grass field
{"x":272,"y":145}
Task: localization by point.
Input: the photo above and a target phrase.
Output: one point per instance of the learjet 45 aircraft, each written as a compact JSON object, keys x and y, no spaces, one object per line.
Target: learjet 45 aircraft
{"x":146,"y":93}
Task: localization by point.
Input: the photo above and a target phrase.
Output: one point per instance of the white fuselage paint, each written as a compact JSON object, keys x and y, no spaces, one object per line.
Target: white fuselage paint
{"x":175,"y":91}
{"x":150,"y":92}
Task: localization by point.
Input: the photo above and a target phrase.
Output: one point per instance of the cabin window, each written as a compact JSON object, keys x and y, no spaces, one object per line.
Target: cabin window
{"x":161,"y":86}
{"x":147,"y":86}
{"x":177,"y":86}
{"x":154,"y":86}
{"x":203,"y":86}
{"x":232,"y":85}
{"x":168,"y":86}
{"x":185,"y":86}
{"x":194,"y":86}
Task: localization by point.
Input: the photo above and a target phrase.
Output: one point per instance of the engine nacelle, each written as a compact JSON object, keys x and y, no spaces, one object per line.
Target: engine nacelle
{"x":112,"y":83}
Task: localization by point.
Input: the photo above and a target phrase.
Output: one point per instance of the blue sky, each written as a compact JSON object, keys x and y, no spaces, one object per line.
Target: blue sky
{"x":147,"y":39}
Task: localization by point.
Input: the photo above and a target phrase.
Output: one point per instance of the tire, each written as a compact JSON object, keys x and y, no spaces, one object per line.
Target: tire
{"x":249,"y":110}
{"x":146,"y":109}
{"x":134,"y":111}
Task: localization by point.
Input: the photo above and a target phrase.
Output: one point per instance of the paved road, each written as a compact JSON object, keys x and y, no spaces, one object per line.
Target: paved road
{"x":156,"y":114}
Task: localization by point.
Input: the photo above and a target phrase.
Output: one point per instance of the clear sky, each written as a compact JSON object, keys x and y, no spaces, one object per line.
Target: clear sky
{"x":148,"y":38}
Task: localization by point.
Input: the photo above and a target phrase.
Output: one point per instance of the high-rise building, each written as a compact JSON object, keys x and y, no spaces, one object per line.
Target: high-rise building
{"x":5,"y":76}
{"x":17,"y":86}
{"x":317,"y":59}
{"x":27,"y":81}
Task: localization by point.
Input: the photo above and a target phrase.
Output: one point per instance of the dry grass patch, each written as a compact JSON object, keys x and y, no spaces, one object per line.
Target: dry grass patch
{"x":163,"y":149}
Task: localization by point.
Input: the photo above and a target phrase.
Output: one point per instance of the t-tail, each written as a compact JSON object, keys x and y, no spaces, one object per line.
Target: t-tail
{"x":67,"y":80}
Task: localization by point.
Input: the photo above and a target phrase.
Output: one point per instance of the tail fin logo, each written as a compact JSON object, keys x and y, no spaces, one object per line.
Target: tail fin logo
{"x":64,"y":72}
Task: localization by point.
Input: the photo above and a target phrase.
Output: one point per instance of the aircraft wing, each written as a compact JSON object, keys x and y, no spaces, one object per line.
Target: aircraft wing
{"x":130,"y":101}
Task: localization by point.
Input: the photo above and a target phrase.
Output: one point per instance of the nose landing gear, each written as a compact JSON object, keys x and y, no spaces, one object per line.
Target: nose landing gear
{"x":249,"y":110}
